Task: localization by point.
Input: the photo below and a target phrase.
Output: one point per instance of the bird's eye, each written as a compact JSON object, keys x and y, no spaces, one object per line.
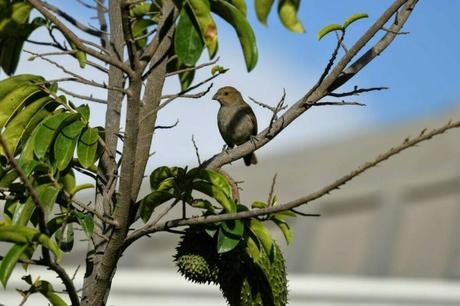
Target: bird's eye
{"x":226,"y":93}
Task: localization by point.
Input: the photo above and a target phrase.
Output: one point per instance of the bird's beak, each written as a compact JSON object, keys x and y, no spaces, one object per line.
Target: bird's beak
{"x":216,"y":97}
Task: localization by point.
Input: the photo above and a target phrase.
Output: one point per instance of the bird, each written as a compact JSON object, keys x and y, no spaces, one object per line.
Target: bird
{"x":236,"y":120}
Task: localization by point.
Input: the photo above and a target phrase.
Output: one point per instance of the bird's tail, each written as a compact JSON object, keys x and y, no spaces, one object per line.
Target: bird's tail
{"x":250,"y":159}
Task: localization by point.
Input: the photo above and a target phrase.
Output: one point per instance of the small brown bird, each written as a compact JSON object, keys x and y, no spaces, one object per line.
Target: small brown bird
{"x":236,"y":120}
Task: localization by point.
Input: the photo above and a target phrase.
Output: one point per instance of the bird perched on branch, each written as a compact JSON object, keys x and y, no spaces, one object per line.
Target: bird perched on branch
{"x":236,"y":120}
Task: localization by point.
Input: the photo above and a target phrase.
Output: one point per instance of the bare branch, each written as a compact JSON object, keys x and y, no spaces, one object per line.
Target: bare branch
{"x":76,"y":77}
{"x":338,"y":103}
{"x":39,"y":5}
{"x":272,"y":190}
{"x":72,"y":20}
{"x":96,"y":213}
{"x":83,"y":97}
{"x":193,"y":68}
{"x":190,"y":96}
{"x":197,"y":152}
{"x":408,"y":143}
{"x":318,"y":91}
{"x":159,"y":127}
{"x":356,"y":91}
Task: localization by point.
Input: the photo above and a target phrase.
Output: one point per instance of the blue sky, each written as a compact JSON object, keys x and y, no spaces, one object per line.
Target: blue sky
{"x":421,"y":70}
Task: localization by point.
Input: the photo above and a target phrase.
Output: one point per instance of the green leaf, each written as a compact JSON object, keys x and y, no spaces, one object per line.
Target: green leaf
{"x":84,"y":111}
{"x":240,"y":5}
{"x":47,"y":194}
{"x":87,"y":223}
{"x":65,"y":143}
{"x":158,"y":176}
{"x":287,"y":11}
{"x":47,"y":130}
{"x":284,"y":227}
{"x":261,"y":232}
{"x":29,"y":116}
{"x":229,"y":236}
{"x":216,"y":193}
{"x":65,"y":237}
{"x":202,"y":13}
{"x":259,"y":204}
{"x":12,"y":102}
{"x":213,"y":177}
{"x":47,"y":290}
{"x":87,"y":147}
{"x":68,"y":182}
{"x":354,"y":18}
{"x":243,"y":29}
{"x":263,"y":8}
{"x":79,"y":55}
{"x":328,"y":29}
{"x":9,"y":262}
{"x":187,"y":39}
{"x":9,"y":84}
{"x":82,"y":186}
{"x":152,"y":201}
{"x":22,"y":234}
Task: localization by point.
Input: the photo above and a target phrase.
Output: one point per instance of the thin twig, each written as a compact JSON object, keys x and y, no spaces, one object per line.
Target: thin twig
{"x":83,"y":97}
{"x":197,"y":152}
{"x":356,"y":91}
{"x":161,"y":127}
{"x":338,"y":103}
{"x":272,"y":190}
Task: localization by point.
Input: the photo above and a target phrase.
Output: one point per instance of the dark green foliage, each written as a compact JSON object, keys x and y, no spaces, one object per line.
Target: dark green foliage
{"x":243,"y":280}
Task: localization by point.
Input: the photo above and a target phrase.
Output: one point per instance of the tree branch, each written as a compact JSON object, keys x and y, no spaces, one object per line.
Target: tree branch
{"x":39,"y":5}
{"x":315,"y":94}
{"x":408,"y":143}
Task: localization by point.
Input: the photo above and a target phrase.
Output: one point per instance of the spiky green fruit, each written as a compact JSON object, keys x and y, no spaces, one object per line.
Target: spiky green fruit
{"x":196,"y":256}
{"x":245,"y":281}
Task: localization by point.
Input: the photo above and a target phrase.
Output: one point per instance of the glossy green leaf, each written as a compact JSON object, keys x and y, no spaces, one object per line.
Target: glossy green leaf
{"x":243,"y":29}
{"x":187,"y":38}
{"x":79,"y":55}
{"x":328,"y":29}
{"x":252,"y":248}
{"x":259,"y":204}
{"x":87,"y":147}
{"x":216,"y":193}
{"x":65,"y":143}
{"x":47,"y":194}
{"x":262,"y":234}
{"x":13,"y":101}
{"x":284,"y":227}
{"x":9,"y":84}
{"x":82,"y":187}
{"x":158,"y":176}
{"x":67,"y":181}
{"x":65,"y":237}
{"x":240,"y":5}
{"x":47,"y":290}
{"x":23,"y":235}
{"x":213,"y":177}
{"x":87,"y":223}
{"x":263,"y":8}
{"x":354,"y":18}
{"x":287,"y":11}
{"x":46,"y":132}
{"x":29,"y":116}
{"x":226,"y":241}
{"x":84,"y":111}
{"x":8,"y":178}
{"x":9,"y":262}
{"x":202,"y":13}
{"x":148,"y":204}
